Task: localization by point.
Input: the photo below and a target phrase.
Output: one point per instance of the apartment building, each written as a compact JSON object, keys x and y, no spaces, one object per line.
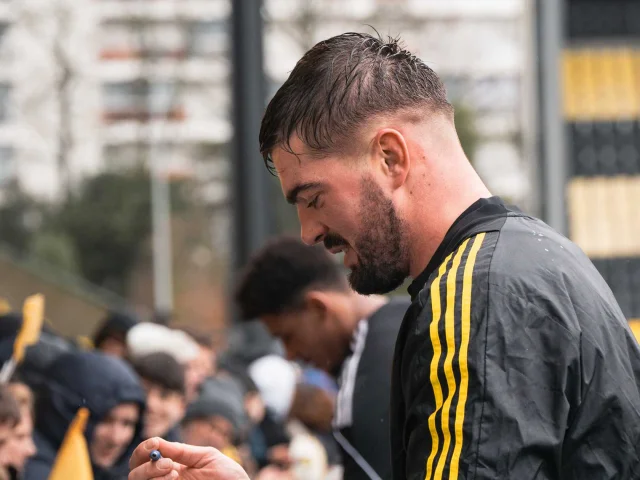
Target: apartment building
{"x":88,"y":85}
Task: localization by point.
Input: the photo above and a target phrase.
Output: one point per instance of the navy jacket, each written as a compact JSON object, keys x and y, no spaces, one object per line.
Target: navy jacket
{"x":514,"y":361}
{"x":93,"y":380}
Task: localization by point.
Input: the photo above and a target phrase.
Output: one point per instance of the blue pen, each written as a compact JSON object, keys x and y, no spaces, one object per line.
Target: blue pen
{"x":155,"y":455}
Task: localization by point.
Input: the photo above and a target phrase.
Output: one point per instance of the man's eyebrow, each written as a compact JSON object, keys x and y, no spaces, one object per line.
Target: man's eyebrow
{"x":292,"y":195}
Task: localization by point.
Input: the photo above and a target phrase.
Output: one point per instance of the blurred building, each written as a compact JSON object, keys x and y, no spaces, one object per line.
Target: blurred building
{"x":88,"y":85}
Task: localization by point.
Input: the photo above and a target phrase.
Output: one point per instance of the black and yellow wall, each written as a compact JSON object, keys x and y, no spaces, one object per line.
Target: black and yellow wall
{"x":601,"y":110}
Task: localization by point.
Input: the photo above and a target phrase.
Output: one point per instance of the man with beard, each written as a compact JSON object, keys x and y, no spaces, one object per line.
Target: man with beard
{"x":514,"y":359}
{"x":303,"y":298}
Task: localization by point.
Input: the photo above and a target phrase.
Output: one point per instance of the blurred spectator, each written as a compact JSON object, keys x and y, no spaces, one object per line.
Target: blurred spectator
{"x":203,"y":365}
{"x":146,"y":338}
{"x":111,"y":391}
{"x":9,"y":418}
{"x":110,"y":338}
{"x":276,"y":380}
{"x":308,"y":457}
{"x":39,"y":356}
{"x":313,"y":407}
{"x":163,"y":380}
{"x":21,"y":447}
{"x":216,"y":418}
{"x":253,"y":404}
{"x":303,"y":297}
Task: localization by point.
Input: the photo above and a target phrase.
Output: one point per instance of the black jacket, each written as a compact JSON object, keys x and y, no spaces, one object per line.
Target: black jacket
{"x":361,"y":420}
{"x":514,"y":361}
{"x":96,"y":381}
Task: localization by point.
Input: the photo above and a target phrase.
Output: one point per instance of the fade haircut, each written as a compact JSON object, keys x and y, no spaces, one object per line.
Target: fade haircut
{"x":341,"y":83}
{"x":278,"y":276}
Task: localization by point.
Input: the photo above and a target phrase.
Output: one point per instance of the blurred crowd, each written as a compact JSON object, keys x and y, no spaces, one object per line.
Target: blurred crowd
{"x":141,"y":379}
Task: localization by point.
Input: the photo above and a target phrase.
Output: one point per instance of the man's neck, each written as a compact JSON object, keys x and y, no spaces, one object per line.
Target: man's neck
{"x":428,"y":233}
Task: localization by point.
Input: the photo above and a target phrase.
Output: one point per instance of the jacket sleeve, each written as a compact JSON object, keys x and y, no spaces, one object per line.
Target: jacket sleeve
{"x":507,"y":390}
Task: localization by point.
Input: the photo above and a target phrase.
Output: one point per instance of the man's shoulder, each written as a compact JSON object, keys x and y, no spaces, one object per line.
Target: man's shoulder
{"x":535,"y":263}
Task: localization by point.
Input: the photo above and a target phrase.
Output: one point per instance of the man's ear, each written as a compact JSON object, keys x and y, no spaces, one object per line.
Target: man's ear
{"x":317,"y":304}
{"x":392,"y":154}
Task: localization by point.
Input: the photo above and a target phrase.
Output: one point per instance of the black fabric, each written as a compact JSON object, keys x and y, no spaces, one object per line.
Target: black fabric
{"x":369,"y":432}
{"x":514,"y":361}
{"x":82,"y":379}
{"x":38,"y":358}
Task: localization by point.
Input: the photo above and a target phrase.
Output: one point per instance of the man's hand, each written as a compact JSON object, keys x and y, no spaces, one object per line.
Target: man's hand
{"x":182,"y":461}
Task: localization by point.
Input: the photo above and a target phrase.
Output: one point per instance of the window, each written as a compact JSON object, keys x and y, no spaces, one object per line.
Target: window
{"x":141,"y":101}
{"x":209,"y":38}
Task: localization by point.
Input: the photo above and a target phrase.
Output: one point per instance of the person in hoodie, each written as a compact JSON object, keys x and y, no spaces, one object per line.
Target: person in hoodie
{"x":110,"y":389}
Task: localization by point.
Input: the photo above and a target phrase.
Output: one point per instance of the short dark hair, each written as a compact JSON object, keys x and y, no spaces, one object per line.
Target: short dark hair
{"x":277,"y":277}
{"x":115,"y":325}
{"x":162,"y":369}
{"x":343,"y":81}
{"x":9,"y":408}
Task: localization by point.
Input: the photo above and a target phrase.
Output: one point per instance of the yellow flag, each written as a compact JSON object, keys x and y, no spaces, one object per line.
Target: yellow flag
{"x":5,"y":306}
{"x":73,"y":461}
{"x":635,"y":327}
{"x":32,"y":317}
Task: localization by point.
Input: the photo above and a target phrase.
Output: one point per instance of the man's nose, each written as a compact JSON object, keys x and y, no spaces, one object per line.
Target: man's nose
{"x":311,"y":231}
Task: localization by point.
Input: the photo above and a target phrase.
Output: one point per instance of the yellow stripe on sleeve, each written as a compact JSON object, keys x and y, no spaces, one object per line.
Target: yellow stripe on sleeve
{"x":436,"y":311}
{"x":448,"y":361}
{"x":464,"y":350}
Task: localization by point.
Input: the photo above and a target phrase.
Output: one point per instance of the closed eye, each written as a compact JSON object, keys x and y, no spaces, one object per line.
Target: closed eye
{"x":313,"y":203}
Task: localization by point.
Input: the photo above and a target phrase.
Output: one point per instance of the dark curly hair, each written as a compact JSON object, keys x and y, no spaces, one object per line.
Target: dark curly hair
{"x":277,"y":277}
{"x":342,"y":82}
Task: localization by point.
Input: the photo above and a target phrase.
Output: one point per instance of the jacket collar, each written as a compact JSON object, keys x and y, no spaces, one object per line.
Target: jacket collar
{"x":483,"y":215}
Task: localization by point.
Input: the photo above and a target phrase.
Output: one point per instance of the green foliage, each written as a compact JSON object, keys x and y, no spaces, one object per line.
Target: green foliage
{"x":20,"y":216}
{"x":108,"y":218}
{"x":57,"y":250}
{"x":98,"y":231}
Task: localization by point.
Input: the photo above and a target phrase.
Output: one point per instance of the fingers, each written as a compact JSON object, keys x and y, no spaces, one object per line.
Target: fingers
{"x":163,"y":469}
{"x":173,"y":475}
{"x":187,"y":455}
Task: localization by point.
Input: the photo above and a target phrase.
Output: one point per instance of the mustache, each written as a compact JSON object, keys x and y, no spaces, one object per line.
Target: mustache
{"x":333,"y":240}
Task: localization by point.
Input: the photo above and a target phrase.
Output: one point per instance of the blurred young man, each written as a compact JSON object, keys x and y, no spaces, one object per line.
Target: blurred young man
{"x":111,"y":391}
{"x":203,"y":366}
{"x":303,"y":298}
{"x":21,"y":446}
{"x":163,"y":381}
{"x":9,"y":419}
{"x":147,"y":338}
